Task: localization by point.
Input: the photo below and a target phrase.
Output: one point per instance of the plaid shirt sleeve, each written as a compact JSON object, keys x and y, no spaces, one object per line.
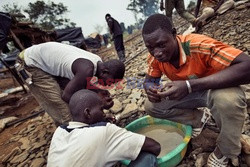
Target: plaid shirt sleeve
{"x":153,"y":67}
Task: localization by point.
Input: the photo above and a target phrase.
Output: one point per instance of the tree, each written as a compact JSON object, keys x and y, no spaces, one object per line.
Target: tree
{"x":47,"y":16}
{"x":12,"y":9}
{"x":144,"y":7}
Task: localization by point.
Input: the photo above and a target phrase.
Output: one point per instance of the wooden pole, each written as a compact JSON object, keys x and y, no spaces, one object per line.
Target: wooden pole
{"x":17,"y":40}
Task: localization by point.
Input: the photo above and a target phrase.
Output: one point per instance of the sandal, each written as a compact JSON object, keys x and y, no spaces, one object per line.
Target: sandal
{"x":213,"y":161}
{"x":205,"y":117}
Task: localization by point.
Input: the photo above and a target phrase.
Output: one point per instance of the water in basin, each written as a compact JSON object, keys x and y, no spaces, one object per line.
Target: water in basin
{"x":168,"y":136}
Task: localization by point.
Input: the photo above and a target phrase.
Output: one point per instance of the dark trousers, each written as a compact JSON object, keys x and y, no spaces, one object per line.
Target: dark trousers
{"x":118,"y":41}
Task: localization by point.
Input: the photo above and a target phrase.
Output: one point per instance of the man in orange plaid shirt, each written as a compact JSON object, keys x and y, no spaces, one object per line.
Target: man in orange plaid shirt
{"x":204,"y":73}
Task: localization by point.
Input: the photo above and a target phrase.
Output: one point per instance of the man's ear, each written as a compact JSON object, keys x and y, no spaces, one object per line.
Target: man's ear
{"x":86,"y":113}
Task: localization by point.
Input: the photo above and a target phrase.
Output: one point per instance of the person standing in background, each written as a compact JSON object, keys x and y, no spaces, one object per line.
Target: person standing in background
{"x":180,"y":8}
{"x":116,"y":32}
{"x":211,"y":8}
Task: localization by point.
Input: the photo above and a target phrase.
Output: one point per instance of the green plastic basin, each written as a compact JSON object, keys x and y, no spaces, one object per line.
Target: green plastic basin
{"x":172,"y":158}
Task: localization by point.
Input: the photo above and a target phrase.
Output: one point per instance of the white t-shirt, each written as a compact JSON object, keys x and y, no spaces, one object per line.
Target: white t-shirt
{"x":57,"y":58}
{"x":99,"y":146}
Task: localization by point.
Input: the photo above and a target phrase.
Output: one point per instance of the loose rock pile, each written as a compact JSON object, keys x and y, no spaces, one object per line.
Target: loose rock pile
{"x":32,"y":144}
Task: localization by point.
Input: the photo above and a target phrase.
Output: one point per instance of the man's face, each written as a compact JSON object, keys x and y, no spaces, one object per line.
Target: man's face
{"x":107,"y":17}
{"x":97,"y":113}
{"x":161,"y":45}
{"x":106,"y":99}
{"x":106,"y":79}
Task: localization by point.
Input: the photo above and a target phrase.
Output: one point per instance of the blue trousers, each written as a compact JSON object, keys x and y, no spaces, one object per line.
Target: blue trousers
{"x":144,"y":159}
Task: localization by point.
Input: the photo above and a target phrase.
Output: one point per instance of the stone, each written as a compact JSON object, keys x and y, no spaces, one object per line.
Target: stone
{"x":4,"y":121}
{"x":247,"y":46}
{"x":38,"y":162}
{"x":25,"y":143}
{"x":217,"y":33}
{"x":117,"y":107}
{"x":15,"y":138}
{"x":126,"y":101}
{"x":126,"y":91}
{"x":201,"y":159}
{"x":135,"y":95}
{"x":240,"y":7}
{"x":133,"y":100}
{"x":36,"y":146}
{"x":140,"y":101}
{"x":40,"y":154}
{"x":20,"y":158}
{"x":14,"y":152}
{"x":129,"y":110}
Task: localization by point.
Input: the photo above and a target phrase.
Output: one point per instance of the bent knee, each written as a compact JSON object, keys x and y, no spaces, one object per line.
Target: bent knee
{"x":229,"y":97}
{"x":148,"y":106}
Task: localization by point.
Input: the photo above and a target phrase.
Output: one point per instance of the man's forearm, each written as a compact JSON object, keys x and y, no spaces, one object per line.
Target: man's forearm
{"x":233,"y":76}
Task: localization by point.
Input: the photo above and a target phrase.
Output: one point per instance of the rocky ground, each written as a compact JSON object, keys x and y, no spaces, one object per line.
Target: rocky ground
{"x":26,"y":143}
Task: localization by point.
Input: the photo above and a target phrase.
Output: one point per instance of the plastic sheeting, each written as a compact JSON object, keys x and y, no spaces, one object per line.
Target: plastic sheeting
{"x":73,"y":35}
{"x":5,"y":23}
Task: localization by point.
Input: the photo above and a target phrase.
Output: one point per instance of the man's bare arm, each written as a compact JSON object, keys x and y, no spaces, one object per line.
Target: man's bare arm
{"x":151,"y":146}
{"x":237,"y":73}
{"x":82,"y":70}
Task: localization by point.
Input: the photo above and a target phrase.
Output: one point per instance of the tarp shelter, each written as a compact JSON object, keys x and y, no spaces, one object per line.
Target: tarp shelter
{"x":73,"y":35}
{"x":5,"y":24}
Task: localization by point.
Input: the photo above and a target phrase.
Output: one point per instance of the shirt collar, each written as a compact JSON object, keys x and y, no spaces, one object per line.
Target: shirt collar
{"x":183,"y":56}
{"x":74,"y":124}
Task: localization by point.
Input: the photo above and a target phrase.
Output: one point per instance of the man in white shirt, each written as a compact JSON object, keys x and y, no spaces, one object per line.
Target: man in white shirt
{"x":59,"y":70}
{"x":89,"y":142}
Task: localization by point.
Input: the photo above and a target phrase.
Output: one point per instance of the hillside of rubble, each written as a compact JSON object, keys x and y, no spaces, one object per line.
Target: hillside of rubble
{"x":26,"y":130}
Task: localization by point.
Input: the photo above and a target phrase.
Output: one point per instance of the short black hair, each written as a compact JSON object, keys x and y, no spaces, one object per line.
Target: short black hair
{"x":157,"y":21}
{"x":83,"y":99}
{"x":107,"y":15}
{"x":116,"y":68}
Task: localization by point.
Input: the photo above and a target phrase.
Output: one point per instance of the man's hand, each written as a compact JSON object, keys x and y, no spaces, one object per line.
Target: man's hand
{"x":110,"y":118}
{"x":153,"y":96}
{"x":106,"y":98}
{"x":175,"y":90}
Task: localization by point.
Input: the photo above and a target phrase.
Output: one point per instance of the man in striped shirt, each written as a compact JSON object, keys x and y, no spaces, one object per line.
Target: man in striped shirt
{"x":204,"y":73}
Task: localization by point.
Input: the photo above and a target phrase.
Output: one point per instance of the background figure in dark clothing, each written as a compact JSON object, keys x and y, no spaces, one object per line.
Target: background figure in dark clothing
{"x":180,"y":8}
{"x":116,"y":32}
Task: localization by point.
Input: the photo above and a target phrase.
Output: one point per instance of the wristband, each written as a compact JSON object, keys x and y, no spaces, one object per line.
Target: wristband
{"x":189,"y":86}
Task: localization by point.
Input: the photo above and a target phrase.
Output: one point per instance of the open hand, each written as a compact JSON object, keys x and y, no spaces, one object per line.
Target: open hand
{"x":175,"y":90}
{"x":110,"y":118}
{"x":153,"y":95}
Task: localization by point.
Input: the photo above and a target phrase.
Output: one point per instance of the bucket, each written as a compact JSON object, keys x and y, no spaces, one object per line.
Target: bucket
{"x":173,"y":157}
